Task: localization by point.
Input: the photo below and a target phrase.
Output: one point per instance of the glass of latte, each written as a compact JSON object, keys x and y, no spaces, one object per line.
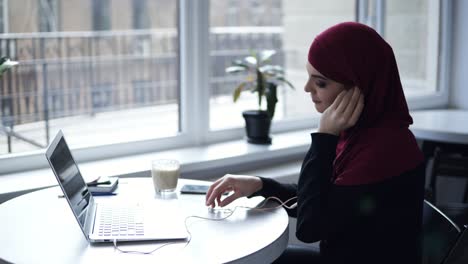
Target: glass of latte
{"x":165,"y":173}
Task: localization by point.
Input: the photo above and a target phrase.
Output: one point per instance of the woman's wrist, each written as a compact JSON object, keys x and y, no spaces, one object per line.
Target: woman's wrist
{"x":328,"y":131}
{"x":258,"y":184}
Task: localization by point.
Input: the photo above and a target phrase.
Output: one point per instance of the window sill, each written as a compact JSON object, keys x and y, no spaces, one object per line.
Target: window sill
{"x":203,"y":162}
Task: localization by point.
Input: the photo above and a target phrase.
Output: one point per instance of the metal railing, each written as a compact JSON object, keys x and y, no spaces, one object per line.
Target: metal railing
{"x":66,"y":74}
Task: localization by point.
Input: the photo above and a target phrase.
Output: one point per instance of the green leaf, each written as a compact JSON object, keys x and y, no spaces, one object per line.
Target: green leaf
{"x":272,"y":99}
{"x":240,"y":63}
{"x":251,"y":60}
{"x":265,"y":68}
{"x":278,"y":68}
{"x":266,"y":55}
{"x":282,"y":79}
{"x":5,"y":64}
{"x":238,"y":91}
{"x":233,"y":69}
{"x":260,"y":87}
{"x":272,"y":70}
{"x":263,"y":78}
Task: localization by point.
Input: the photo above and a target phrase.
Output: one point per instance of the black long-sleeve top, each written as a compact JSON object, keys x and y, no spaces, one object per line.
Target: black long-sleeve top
{"x":369,"y":223}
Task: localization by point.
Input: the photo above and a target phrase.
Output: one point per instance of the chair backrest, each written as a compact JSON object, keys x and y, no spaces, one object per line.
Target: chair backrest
{"x":439,"y":234}
{"x":448,"y":162}
{"x":459,"y":252}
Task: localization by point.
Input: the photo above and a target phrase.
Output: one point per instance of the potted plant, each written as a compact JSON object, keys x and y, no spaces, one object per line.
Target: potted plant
{"x":262,"y":78}
{"x":5,"y":64}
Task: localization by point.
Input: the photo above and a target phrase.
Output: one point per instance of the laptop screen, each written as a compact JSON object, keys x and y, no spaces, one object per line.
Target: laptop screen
{"x":67,"y":172}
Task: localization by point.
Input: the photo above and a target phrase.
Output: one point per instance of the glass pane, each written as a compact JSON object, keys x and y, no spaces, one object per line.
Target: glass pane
{"x":411,"y":28}
{"x":102,"y":71}
{"x":288,"y":27}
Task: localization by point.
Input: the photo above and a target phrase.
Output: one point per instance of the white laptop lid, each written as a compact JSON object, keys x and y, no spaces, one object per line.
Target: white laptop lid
{"x":70,"y":180}
{"x":81,"y":200}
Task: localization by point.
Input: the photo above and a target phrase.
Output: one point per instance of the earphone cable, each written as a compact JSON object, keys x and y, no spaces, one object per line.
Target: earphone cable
{"x":260,"y":207}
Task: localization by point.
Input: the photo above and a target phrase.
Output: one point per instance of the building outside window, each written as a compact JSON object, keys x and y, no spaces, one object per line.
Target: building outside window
{"x":2,"y":17}
{"x":141,"y":18}
{"x":112,"y":78}
{"x":101,"y":10}
{"x":412,"y":29}
{"x":48,"y":15}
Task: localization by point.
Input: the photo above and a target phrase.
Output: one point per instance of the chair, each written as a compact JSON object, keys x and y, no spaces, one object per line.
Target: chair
{"x":459,"y":253}
{"x":450,"y":161}
{"x":439,"y":234}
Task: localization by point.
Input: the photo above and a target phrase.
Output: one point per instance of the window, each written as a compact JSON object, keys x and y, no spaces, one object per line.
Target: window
{"x":2,"y":17}
{"x":100,"y":81}
{"x":48,"y":15}
{"x":101,"y":15}
{"x":269,"y":24}
{"x":141,"y":18}
{"x":412,"y":29}
{"x":153,"y":78}
{"x":417,"y":56}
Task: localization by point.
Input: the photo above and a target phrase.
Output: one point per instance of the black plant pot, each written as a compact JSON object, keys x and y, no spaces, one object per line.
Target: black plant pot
{"x":257,"y":126}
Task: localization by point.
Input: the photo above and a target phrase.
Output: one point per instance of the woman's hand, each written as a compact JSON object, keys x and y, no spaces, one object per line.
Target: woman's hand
{"x":242,"y":185}
{"x":343,"y":113}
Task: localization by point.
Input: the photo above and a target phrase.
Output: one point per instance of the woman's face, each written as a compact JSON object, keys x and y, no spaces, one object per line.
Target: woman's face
{"x":323,"y":91}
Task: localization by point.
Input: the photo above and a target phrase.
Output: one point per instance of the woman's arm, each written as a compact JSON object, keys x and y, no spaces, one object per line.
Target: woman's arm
{"x":282,"y":191}
{"x":314,"y":179}
{"x":313,"y":187}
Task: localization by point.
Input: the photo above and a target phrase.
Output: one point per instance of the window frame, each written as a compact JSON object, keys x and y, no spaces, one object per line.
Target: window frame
{"x":440,"y":98}
{"x":441,"y":42}
{"x":193,"y":23}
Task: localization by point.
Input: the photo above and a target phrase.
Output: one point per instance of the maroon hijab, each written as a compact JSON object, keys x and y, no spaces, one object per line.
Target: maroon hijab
{"x":380,"y":145}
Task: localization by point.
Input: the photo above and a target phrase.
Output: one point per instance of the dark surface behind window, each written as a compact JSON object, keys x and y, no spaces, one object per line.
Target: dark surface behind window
{"x":101,"y":14}
{"x":140,"y":17}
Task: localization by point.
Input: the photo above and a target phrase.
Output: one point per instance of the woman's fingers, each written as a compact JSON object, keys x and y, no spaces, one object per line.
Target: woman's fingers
{"x":208,"y":199}
{"x":229,"y":199}
{"x":343,"y":113}
{"x":240,"y":185}
{"x":337,"y":104}
{"x":357,"y":111}
{"x":352,"y":103}
{"x":216,"y":190}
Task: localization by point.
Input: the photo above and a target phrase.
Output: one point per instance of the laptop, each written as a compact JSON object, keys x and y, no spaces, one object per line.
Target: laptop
{"x":459,"y":252}
{"x":108,"y":221}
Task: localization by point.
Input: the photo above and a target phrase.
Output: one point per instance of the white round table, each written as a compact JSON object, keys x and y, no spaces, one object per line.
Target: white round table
{"x":39,"y":227}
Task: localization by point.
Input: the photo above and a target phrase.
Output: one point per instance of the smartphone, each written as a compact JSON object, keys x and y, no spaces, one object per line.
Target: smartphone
{"x":194,"y":189}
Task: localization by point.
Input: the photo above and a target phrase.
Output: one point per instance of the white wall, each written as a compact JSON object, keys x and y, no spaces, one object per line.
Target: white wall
{"x":459,"y":67}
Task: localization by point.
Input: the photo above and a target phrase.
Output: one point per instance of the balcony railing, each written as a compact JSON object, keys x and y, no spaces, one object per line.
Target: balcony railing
{"x":82,"y":73}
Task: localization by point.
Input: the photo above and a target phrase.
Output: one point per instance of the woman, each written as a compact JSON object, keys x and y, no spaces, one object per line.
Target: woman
{"x":360,"y":190}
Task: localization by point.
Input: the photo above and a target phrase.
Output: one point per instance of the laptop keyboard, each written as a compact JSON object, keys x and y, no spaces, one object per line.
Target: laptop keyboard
{"x":121,"y":221}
